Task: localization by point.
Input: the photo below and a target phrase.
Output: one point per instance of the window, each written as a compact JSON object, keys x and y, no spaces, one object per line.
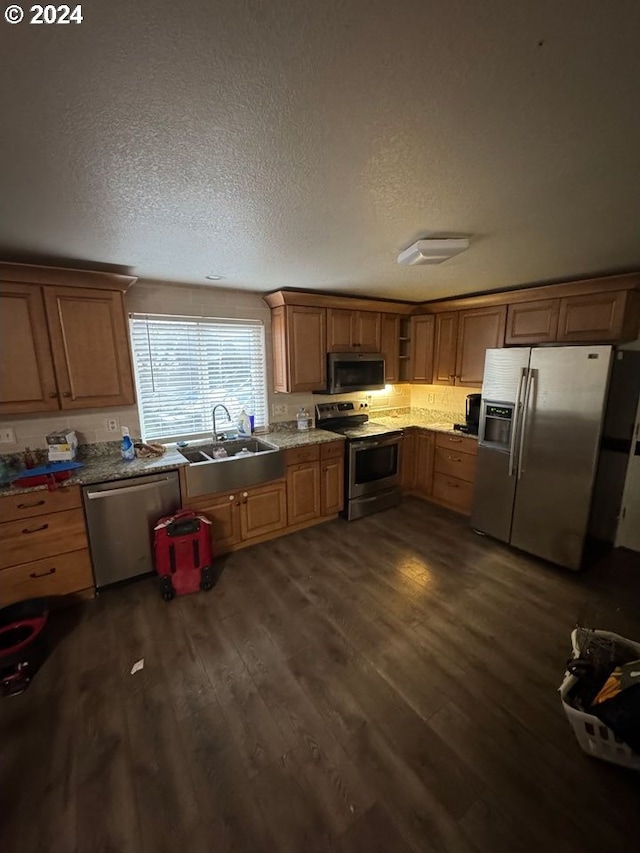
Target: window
{"x":185,"y":365}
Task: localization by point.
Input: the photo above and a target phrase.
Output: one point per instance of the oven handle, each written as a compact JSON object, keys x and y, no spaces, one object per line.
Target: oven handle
{"x":366,"y":445}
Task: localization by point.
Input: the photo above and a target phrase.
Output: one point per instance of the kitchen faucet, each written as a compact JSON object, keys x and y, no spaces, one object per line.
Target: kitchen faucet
{"x":222,"y":436}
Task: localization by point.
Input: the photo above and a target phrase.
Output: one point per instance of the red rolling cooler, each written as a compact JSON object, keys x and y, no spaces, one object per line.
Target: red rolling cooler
{"x":182,"y":550}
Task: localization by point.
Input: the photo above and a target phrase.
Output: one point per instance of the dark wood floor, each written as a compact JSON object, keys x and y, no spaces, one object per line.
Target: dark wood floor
{"x":388,"y":685}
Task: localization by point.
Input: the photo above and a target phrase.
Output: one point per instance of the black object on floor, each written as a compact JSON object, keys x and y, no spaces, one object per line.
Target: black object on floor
{"x":22,"y":643}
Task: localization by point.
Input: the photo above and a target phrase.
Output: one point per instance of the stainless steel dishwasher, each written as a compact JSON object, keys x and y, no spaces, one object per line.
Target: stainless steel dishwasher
{"x":120,"y":516}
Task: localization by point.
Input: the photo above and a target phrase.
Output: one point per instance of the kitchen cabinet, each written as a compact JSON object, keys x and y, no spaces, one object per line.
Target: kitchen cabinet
{"x":407,"y":459}
{"x":244,"y":514}
{"x":353,"y":331}
{"x":421,"y":352}
{"x":331,"y":478}
{"x":390,"y":346}
{"x":90,"y":347}
{"x":62,"y":348}
{"x":315,"y":481}
{"x":27,"y":379}
{"x":595,"y":318}
{"x":454,"y":471}
{"x":445,"y":348}
{"x":43,"y":545}
{"x":423,"y":476}
{"x":478,"y":330}
{"x":299,"y":348}
{"x":303,"y":492}
{"x":532,"y":322}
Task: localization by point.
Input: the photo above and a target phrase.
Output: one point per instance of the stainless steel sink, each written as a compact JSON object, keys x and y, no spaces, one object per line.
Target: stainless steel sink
{"x":207,"y":474}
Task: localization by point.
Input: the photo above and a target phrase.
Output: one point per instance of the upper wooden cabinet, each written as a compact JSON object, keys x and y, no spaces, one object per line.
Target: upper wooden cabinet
{"x":27,"y":380}
{"x":390,"y":346}
{"x":90,"y":347}
{"x":446,"y":348}
{"x":353,"y":331}
{"x":62,"y":348}
{"x":421,"y":358}
{"x":598,"y":317}
{"x":478,"y":330}
{"x":532,"y":322}
{"x":299,"y":348}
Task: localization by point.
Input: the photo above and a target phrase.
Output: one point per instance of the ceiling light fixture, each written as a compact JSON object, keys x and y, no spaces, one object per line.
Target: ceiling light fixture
{"x":213,"y":277}
{"x":433,"y":250}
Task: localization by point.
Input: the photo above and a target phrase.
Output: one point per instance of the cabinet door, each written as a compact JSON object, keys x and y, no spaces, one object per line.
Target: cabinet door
{"x":478,"y":330}
{"x":224,"y":513}
{"x":366,"y":331}
{"x":390,"y":346}
{"x":263,"y":510}
{"x":303,"y":492}
{"x":306,"y":349}
{"x":445,"y":348}
{"x":331,"y":486}
{"x":592,"y":319}
{"x":421,"y":358}
{"x":90,"y":347}
{"x":408,"y":459}
{"x":532,"y":322}
{"x":27,"y":381}
{"x":340,"y":330}
{"x":424,"y":462}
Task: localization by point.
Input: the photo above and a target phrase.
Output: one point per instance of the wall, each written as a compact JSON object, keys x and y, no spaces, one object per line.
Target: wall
{"x":165,"y":298}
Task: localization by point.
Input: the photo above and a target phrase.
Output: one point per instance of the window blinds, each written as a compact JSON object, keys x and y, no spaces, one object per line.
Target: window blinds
{"x":185,"y":365}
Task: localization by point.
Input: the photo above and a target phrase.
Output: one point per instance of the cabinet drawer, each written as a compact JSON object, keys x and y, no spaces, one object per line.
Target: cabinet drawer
{"x":308,"y":453}
{"x":457,"y":442}
{"x":61,"y":575}
{"x":455,"y":463}
{"x":332,"y":450}
{"x":44,"y":536}
{"x":13,"y":507}
{"x":458,"y":494}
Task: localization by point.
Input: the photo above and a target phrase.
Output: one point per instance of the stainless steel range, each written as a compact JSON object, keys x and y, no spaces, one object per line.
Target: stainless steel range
{"x":372,"y":464}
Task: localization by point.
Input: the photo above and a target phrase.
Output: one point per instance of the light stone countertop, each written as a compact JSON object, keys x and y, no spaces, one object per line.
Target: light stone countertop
{"x":419,"y":420}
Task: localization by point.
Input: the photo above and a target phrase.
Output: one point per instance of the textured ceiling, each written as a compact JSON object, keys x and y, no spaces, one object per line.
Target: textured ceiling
{"x":290,"y":144}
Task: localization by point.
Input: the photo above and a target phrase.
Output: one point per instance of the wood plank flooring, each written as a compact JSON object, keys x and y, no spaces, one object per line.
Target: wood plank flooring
{"x":384,"y":686}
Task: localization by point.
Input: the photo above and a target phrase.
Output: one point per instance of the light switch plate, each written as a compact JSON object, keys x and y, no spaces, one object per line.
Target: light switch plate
{"x":7,"y":435}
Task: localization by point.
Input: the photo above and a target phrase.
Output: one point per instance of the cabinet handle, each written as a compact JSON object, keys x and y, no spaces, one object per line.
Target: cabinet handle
{"x":231,"y":497}
{"x":245,"y":494}
{"x":454,"y":458}
{"x":35,"y":529}
{"x":66,"y":393}
{"x":50,"y":571}
{"x":53,"y":394}
{"x":454,"y":485}
{"x":456,"y":440}
{"x":29,"y":506}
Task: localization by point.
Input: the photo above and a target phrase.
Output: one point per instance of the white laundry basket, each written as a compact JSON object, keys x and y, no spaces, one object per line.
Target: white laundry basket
{"x":594,"y":737}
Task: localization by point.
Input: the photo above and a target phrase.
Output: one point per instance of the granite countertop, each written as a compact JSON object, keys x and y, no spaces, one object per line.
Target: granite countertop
{"x":423,"y":421}
{"x":102,"y":467}
{"x":107,"y":466}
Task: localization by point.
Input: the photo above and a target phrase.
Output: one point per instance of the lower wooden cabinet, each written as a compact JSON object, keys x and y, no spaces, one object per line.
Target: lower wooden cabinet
{"x":223,"y":512}
{"x":315,"y":488}
{"x":263,"y":509}
{"x":331,"y":478}
{"x":303,"y":492}
{"x":439,"y":466}
{"x":43,"y":545}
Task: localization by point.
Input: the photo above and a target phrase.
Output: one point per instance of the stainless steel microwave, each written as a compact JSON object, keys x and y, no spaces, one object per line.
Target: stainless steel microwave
{"x":354,"y":371}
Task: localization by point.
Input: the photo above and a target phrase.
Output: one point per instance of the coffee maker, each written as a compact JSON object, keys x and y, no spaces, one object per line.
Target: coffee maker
{"x":472,"y":415}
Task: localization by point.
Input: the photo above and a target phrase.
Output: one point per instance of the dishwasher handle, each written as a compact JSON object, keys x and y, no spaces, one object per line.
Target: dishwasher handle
{"x":127,"y":490}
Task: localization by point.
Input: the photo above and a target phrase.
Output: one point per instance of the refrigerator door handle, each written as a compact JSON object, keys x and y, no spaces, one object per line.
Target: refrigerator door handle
{"x":515,"y":424}
{"x":525,"y":418}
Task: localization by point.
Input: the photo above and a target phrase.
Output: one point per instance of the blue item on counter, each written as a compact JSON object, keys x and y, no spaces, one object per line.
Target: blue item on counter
{"x":127,"y":450}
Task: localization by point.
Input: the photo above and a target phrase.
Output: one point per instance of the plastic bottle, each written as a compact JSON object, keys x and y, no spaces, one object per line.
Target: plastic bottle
{"x":303,"y":418}
{"x":127,"y":450}
{"x":244,"y":427}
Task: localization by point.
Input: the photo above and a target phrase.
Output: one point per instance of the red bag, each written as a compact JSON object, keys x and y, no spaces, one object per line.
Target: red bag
{"x":182,"y":551}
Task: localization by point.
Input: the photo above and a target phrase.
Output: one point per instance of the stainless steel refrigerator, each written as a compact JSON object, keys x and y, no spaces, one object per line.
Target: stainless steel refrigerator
{"x":544,"y":481}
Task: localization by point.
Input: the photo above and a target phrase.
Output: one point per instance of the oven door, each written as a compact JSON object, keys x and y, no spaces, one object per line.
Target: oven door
{"x":374,"y":464}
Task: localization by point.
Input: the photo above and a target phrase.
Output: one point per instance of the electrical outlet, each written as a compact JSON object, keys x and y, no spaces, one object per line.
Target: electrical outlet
{"x":279,"y":408}
{"x":7,"y":435}
{"x":113,"y":424}
{"x":431,"y":398}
